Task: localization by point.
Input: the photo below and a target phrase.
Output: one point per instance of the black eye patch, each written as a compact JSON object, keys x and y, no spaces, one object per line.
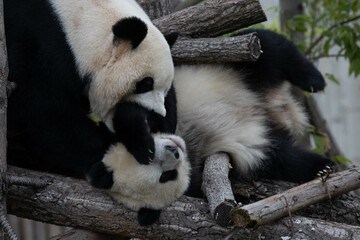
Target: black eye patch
{"x":145,"y":85}
{"x":168,"y":176}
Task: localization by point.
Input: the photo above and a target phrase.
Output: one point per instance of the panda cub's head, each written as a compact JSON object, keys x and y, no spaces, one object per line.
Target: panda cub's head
{"x":152,"y":186}
{"x":140,"y":69}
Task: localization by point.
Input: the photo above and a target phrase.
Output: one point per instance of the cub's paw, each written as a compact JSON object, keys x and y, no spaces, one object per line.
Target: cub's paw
{"x":150,"y":187}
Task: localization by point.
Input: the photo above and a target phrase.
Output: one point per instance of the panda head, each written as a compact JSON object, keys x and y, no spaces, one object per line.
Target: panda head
{"x":137,"y":67}
{"x":152,"y":186}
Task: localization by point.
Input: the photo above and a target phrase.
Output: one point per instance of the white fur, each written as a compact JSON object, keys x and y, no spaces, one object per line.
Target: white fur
{"x":286,"y":112}
{"x":136,"y":185}
{"x":115,"y":69}
{"x":217,"y":113}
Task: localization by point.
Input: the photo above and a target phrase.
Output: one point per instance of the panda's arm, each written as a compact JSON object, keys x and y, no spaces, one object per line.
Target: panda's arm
{"x":132,"y":129}
{"x":133,"y":125}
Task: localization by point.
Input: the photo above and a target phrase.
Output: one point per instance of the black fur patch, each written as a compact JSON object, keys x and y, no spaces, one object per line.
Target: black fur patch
{"x":100,"y":177}
{"x":145,"y":85}
{"x":171,"y":38}
{"x":148,"y":216}
{"x":168,"y":176}
{"x":280,"y":61}
{"x":289,"y":162}
{"x":132,"y":29}
{"x":131,"y":127}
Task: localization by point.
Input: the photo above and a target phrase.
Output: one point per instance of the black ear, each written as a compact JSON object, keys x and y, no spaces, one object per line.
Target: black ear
{"x":171,"y":38}
{"x":132,"y":29}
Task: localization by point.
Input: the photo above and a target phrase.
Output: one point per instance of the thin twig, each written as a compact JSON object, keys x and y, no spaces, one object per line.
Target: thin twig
{"x":24,"y":181}
{"x":312,"y":45}
{"x":290,"y":217}
{"x":4,"y":223}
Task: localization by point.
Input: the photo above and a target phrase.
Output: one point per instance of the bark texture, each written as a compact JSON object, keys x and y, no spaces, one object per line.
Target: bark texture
{"x":277,"y":206}
{"x":156,"y":8}
{"x":217,"y":188}
{"x":75,"y":203}
{"x":6,"y":231}
{"x":216,"y":50}
{"x":212,"y":18}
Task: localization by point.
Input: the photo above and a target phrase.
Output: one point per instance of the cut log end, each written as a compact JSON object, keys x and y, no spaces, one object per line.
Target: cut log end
{"x":222,"y":212}
{"x":255,"y":47}
{"x":241,"y":218}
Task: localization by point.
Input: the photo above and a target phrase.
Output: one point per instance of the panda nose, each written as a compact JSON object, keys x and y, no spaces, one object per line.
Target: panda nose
{"x":173,"y":150}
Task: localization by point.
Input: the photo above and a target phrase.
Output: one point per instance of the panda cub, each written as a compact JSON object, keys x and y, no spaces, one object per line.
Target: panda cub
{"x":247,"y":110}
{"x":70,"y":59}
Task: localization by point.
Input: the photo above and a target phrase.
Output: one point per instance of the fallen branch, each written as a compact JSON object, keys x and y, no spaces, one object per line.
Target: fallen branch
{"x":275,"y":207}
{"x":212,"y":18}
{"x":217,"y":188}
{"x":217,"y":50}
{"x":344,"y":209}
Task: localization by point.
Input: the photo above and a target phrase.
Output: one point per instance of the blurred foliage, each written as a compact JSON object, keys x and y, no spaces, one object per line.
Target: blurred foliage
{"x":331,"y":29}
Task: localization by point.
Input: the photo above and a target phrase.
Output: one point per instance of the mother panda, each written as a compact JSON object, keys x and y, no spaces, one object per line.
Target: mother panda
{"x":70,"y":58}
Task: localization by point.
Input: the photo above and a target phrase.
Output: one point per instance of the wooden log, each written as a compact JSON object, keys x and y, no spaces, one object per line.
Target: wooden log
{"x":275,"y":207}
{"x":73,"y":202}
{"x":342,"y":209}
{"x":6,"y":231}
{"x":212,"y":18}
{"x":156,"y":8}
{"x":217,"y":50}
{"x":217,"y":188}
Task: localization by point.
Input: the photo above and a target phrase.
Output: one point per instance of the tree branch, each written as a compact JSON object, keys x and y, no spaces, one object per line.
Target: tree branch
{"x":321,"y":37}
{"x":75,"y":203}
{"x":212,"y":18}
{"x":4,"y":71}
{"x":216,"y":50}
{"x":217,"y":188}
{"x":275,"y":207}
{"x":156,"y":8}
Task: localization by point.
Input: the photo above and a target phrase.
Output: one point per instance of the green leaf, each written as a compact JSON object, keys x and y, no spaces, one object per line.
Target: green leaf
{"x":332,"y":78}
{"x":319,"y":141}
{"x":342,"y":159}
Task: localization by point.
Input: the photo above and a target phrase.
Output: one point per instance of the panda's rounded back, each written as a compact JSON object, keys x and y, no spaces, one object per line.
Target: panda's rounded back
{"x":218,"y":113}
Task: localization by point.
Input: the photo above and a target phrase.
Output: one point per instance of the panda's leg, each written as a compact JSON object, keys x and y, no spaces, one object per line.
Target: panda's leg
{"x":292,"y":163}
{"x":281,"y":61}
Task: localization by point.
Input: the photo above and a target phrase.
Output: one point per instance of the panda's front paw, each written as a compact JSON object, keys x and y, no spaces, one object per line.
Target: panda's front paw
{"x":132,"y":129}
{"x":143,"y":151}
